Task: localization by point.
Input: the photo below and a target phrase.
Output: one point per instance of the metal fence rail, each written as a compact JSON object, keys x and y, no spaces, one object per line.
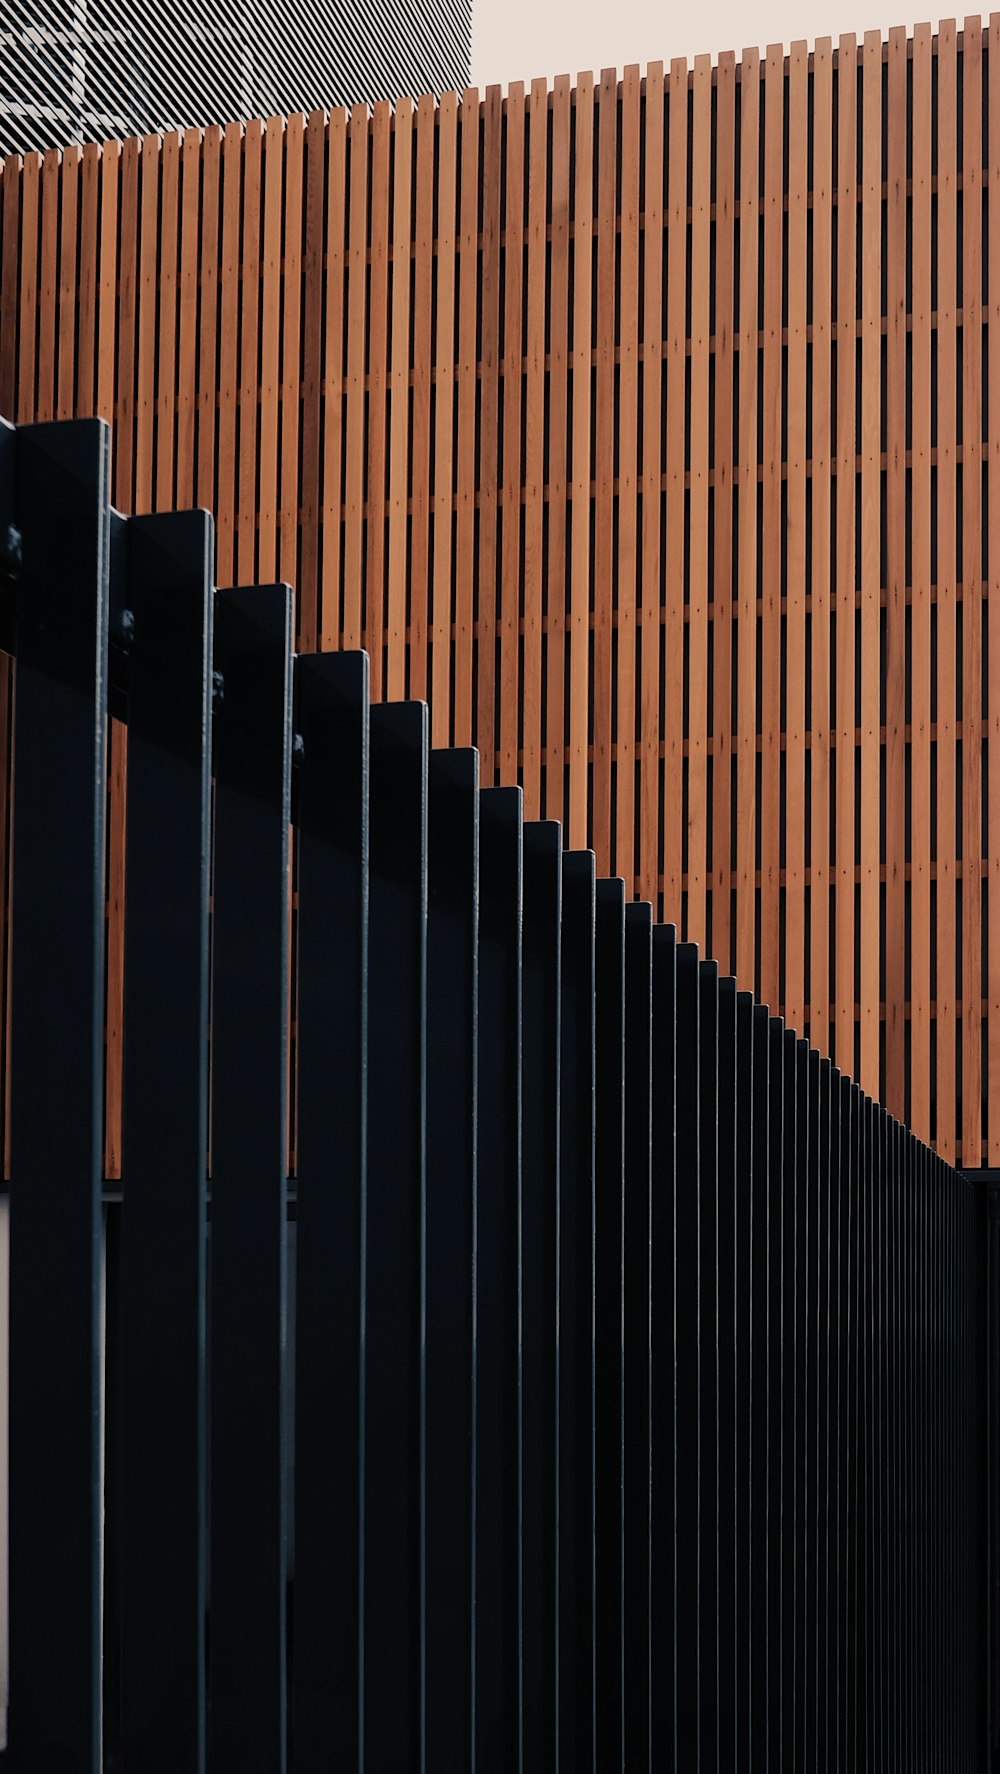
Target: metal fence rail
{"x":605,"y":1383}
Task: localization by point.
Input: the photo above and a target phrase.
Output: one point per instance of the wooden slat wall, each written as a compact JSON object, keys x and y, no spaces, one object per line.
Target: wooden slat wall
{"x":643,"y":426}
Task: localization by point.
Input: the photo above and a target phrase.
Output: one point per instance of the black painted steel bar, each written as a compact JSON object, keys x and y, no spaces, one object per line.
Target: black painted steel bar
{"x":687,"y":1355}
{"x":729,"y":1432}
{"x":540,"y":1095}
{"x":575,"y":1268}
{"x":753,"y":1334}
{"x":394,"y":1281}
{"x":61,"y":504}
{"x":452,"y":1073}
{"x":165,"y":1142}
{"x":636,"y":1319}
{"x":497,"y":1373}
{"x":249,"y":1058}
{"x":331,"y":810}
{"x":711,"y":1172}
{"x":666,"y":1174}
{"x":609,"y":1348}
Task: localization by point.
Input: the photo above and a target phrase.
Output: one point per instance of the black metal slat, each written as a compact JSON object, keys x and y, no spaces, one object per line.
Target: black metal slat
{"x":575,"y":1258}
{"x":452,"y":1073}
{"x":56,"y":1104}
{"x":735,"y":1335}
{"x":539,"y":1176}
{"x":775,"y":1381}
{"x":636,"y":1324}
{"x":249,"y":1059}
{"x":609,"y":1226}
{"x":755,"y":1162}
{"x":331,"y":796}
{"x":165,"y":1143}
{"x":728,"y":1413}
{"x":497,"y":1283}
{"x":392,"y":1241}
{"x":687,"y":1357}
{"x":666,"y":1172}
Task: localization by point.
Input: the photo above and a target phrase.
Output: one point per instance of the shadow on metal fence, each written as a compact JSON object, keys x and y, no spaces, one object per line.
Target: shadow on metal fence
{"x":604,"y":1386}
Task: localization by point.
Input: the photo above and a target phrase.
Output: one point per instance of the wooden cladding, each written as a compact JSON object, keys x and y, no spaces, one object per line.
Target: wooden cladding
{"x":645,"y":427}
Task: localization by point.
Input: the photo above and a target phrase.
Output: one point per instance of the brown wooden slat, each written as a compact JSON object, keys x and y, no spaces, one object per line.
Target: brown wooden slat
{"x":992,"y":1155}
{"x":66,"y":316}
{"x":326,"y":619}
{"x":87,"y":294}
{"x":746,"y":718}
{"x":622,"y":860}
{"x":249,"y":383}
{"x":871,"y":642}
{"x":418,"y":455}
{"x":672,"y":802}
{"x":291,"y":353}
{"x":209,"y":380}
{"x":698,"y":551}
{"x":581,"y":322}
{"x":509,"y":683}
{"x":316,"y":329}
{"x":444,"y":421}
{"x":378,"y":372}
{"x":349,"y":631}
{"x":465,"y":476}
{"x":556,"y":606}
{"x":187,"y":325}
{"x":270,"y":349}
{"x":484,"y":698}
{"x":399,"y":396}
{"x":972,"y":594}
{"x":795,"y":543}
{"x":845,"y":545}
{"x":947,"y":605}
{"x":722,"y":515}
{"x":166,"y":332}
{"x":27,"y":295}
{"x":104,"y":386}
{"x":604,"y":421}
{"x":534,"y":450}
{"x":771,"y":519}
{"x":921,"y":983}
{"x":48,"y":283}
{"x":820,"y":711}
{"x":894,"y":1078}
{"x":10,"y":265}
{"x":126,"y":329}
{"x":145,"y":395}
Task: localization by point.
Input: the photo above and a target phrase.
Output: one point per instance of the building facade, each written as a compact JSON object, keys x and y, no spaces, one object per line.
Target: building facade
{"x":645,"y":426}
{"x":96,"y":69}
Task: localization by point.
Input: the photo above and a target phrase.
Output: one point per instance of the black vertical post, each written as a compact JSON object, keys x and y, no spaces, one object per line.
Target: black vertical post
{"x":253,"y":746}
{"x":57,"y":1036}
{"x":539,"y":1178}
{"x":688,"y":1672}
{"x":638,"y":1302}
{"x":730,"y":1422}
{"x":497,"y":1282}
{"x":609,"y":1227}
{"x":575,"y":1258}
{"x":780,"y":1109}
{"x":665,"y":1180}
{"x":452,"y":1023}
{"x":165,"y":1141}
{"x":331,"y":808}
{"x":752,"y":1333}
{"x":394,"y":1280}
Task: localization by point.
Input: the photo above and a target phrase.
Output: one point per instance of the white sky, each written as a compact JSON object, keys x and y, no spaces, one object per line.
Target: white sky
{"x":520,"y":39}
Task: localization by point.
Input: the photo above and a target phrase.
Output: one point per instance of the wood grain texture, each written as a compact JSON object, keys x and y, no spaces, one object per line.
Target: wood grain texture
{"x":644,"y":427}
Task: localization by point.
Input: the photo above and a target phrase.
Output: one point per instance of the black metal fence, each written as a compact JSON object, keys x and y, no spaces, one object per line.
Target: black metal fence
{"x":606,"y":1388}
